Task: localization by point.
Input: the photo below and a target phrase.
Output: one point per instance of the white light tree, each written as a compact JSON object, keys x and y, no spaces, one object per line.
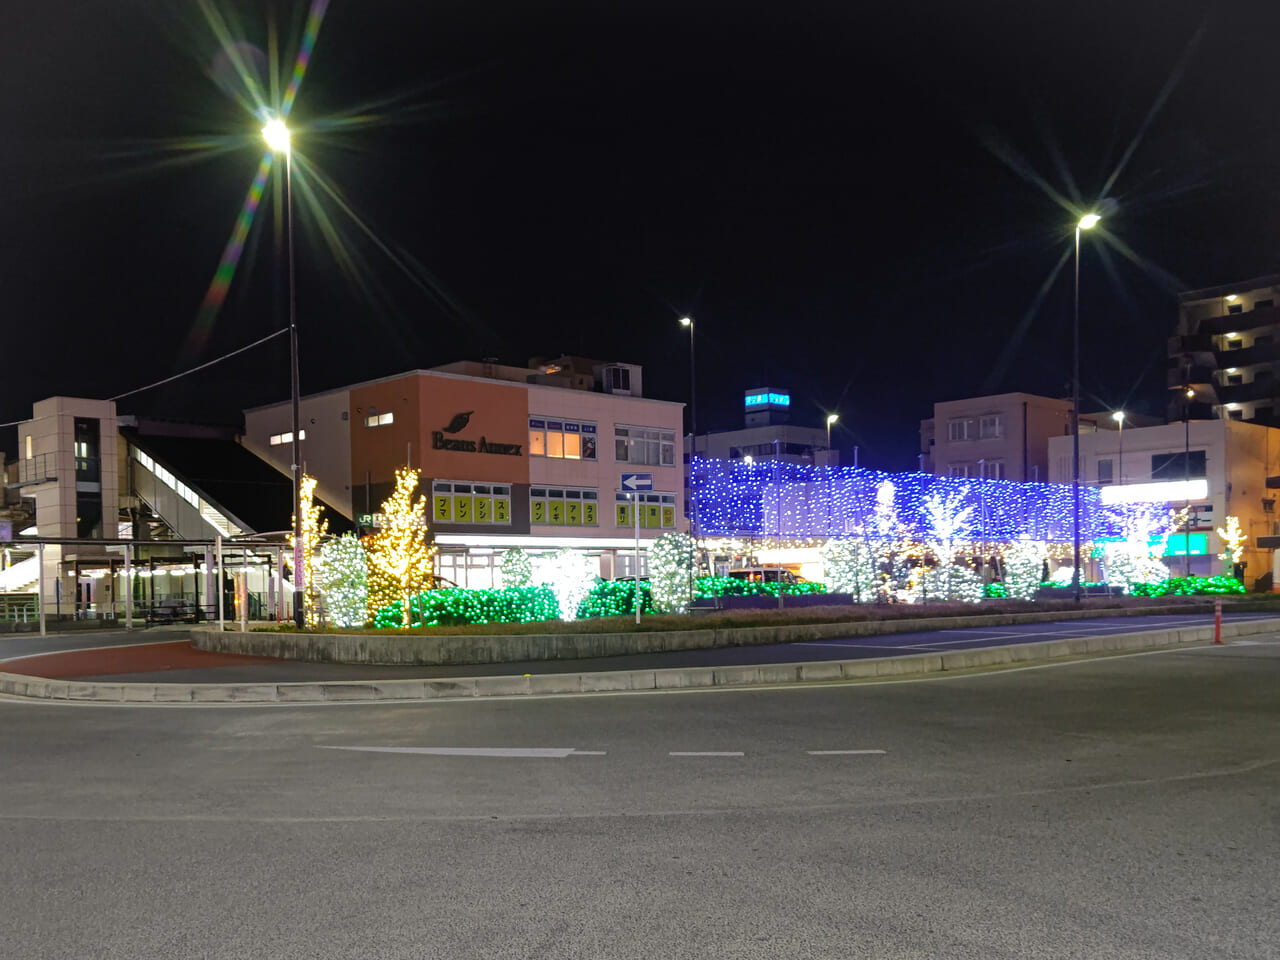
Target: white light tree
{"x":517,"y":568}
{"x":570,"y":575}
{"x":1137,"y":558}
{"x":1024,"y":562}
{"x":850,"y":566}
{"x":343,"y":577}
{"x":671,"y":572}
{"x":951,"y":527}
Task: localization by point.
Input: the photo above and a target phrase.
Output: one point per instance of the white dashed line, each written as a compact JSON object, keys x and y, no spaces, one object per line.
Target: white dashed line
{"x":841,"y":753}
{"x":706,"y":753}
{"x":520,"y":752}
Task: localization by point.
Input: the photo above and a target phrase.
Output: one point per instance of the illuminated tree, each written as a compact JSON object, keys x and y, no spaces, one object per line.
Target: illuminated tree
{"x":401,"y":562}
{"x":313,"y":529}
{"x":570,"y":575}
{"x":849,"y":566}
{"x":517,"y":569}
{"x":950,"y":526}
{"x":343,"y":578}
{"x":1233,"y":539}
{"x":1146,"y":529}
{"x":949,"y":581}
{"x":671,"y":572}
{"x":1023,"y":562}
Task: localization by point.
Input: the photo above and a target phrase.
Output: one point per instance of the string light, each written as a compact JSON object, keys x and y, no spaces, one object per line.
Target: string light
{"x":517,"y":568}
{"x":313,"y":530}
{"x":343,"y":577}
{"x":400,"y":561}
{"x":671,"y":572}
{"x":570,"y":574}
{"x":457,"y":606}
{"x":1233,"y":539}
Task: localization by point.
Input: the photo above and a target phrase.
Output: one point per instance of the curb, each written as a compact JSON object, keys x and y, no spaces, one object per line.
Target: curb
{"x":676,"y":678}
{"x":465,"y":649}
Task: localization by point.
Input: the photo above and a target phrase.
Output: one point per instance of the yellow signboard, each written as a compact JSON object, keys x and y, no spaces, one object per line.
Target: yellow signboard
{"x":539,"y":511}
{"x":442,"y":508}
{"x":573,"y":513}
{"x":555,"y":510}
{"x":501,"y":509}
{"x":589,"y":514}
{"x":668,"y":516}
{"x":482,"y":510}
{"x":462,"y":509}
{"x":624,"y":515}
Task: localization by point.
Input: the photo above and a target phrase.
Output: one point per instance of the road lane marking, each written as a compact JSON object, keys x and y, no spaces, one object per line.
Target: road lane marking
{"x":706,"y":753}
{"x":521,"y":752}
{"x":842,"y":753}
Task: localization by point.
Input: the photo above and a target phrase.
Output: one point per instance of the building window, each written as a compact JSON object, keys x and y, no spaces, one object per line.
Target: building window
{"x":1235,"y":378}
{"x":619,"y":378}
{"x":1262,"y":339}
{"x":564,"y":506}
{"x":30,"y":455}
{"x":463,"y":502}
{"x":1260,"y":304}
{"x":991,"y":469}
{"x":1104,"y":472}
{"x":1262,"y":413}
{"x":1235,"y":344}
{"x":1235,"y":308}
{"x":278,"y":438}
{"x":641,"y":446}
{"x":992,"y":427}
{"x":657,"y":510}
{"x":1263,"y":373}
{"x":1174,"y":466}
{"x":1235,"y":414}
{"x":374,"y":419}
{"x":957,"y":470}
{"x":562,"y":439}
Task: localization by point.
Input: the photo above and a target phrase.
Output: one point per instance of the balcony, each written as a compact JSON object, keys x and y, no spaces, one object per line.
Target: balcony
{"x":42,"y":468}
{"x":1265,"y":389}
{"x":1196,"y":410}
{"x":1180,"y":376}
{"x":1248,"y":356}
{"x":1234,"y":322}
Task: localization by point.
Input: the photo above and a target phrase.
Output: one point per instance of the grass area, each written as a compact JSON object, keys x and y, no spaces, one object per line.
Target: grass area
{"x":845,"y":613}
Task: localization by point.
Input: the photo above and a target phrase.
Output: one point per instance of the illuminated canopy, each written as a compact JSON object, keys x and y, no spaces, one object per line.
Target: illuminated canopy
{"x":1171,"y":491}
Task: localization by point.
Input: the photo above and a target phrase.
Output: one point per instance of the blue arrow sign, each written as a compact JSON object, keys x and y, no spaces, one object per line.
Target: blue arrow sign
{"x":637,"y":481}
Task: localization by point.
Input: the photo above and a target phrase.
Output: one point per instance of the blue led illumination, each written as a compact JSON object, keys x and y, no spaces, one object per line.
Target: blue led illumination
{"x":770,"y":498}
{"x":768,"y":399}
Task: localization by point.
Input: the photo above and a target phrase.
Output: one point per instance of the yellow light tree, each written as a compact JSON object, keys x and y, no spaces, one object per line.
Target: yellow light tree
{"x":314,"y":529}
{"x":1233,"y":539}
{"x":401,"y":561}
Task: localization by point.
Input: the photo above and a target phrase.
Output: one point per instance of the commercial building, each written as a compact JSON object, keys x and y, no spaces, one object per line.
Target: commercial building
{"x":1233,"y":458}
{"x":768,"y":434}
{"x":531,"y":457}
{"x":1226,"y":352}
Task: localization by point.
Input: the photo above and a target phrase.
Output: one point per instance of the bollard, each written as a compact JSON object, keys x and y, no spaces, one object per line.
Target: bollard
{"x":1217,"y":622}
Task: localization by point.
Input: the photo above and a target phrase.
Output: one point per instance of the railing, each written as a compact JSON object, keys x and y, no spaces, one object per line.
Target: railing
{"x":41,"y":468}
{"x":18,"y":607}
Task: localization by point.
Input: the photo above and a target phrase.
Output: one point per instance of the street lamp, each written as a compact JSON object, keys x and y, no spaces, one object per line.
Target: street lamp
{"x":1118,"y":417}
{"x":831,"y":418}
{"x":277,"y":136}
{"x":1087,"y":222}
{"x":693,"y":445}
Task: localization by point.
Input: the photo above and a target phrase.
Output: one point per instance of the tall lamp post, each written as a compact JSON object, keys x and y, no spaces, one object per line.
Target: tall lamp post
{"x":1087,"y":222}
{"x":277,"y":136}
{"x":831,"y":419}
{"x":1118,"y":417}
{"x":693,"y":451}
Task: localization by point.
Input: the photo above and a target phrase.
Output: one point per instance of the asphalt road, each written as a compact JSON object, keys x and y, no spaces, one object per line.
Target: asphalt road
{"x":1121,"y":808}
{"x":197,"y":667}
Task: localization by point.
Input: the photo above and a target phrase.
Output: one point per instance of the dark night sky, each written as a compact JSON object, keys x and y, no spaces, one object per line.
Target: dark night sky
{"x":830,"y":189}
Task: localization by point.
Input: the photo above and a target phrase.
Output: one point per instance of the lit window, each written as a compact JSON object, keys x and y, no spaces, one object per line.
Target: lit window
{"x":279,"y":438}
{"x":562,"y":439}
{"x":374,"y":419}
{"x":30,"y":455}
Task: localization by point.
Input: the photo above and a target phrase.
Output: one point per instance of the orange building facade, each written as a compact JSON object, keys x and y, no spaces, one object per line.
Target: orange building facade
{"x":509,"y":457}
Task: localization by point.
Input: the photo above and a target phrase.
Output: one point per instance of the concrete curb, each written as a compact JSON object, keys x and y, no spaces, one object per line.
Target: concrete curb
{"x":453,"y":688}
{"x":460,"y":650}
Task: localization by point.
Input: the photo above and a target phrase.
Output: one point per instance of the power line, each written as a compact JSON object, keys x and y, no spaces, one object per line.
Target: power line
{"x":225,"y":356}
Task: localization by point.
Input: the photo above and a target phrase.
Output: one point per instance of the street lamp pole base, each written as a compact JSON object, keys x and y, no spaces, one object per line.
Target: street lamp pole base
{"x":299,"y":610}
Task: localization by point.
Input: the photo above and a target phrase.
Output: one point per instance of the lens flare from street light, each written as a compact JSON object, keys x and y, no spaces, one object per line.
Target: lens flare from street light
{"x":1190,"y":394}
{"x":686,"y":322}
{"x":1118,"y":416}
{"x":832,"y":418}
{"x":277,"y":135}
{"x":1089,"y":221}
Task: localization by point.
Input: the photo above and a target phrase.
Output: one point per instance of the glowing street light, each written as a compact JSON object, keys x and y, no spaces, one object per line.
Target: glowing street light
{"x":831,"y":418}
{"x":1087,"y":222}
{"x":1118,"y":417}
{"x":277,"y":136}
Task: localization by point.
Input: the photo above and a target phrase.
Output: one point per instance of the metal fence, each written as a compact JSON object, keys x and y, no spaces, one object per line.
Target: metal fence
{"x":18,"y":608}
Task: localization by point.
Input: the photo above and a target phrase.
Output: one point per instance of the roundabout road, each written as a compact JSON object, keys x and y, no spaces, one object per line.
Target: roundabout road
{"x":1124,"y":807}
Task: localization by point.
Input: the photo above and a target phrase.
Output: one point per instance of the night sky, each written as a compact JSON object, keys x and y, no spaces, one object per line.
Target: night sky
{"x":857,"y":202}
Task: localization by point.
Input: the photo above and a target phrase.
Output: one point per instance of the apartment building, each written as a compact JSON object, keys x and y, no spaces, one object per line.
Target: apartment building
{"x":1223,"y":359}
{"x":529,"y":457}
{"x":1000,"y":437}
{"x":767,"y":433}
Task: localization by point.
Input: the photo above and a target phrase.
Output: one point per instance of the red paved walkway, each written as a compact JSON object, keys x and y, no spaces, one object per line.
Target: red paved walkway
{"x":138,"y":658}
